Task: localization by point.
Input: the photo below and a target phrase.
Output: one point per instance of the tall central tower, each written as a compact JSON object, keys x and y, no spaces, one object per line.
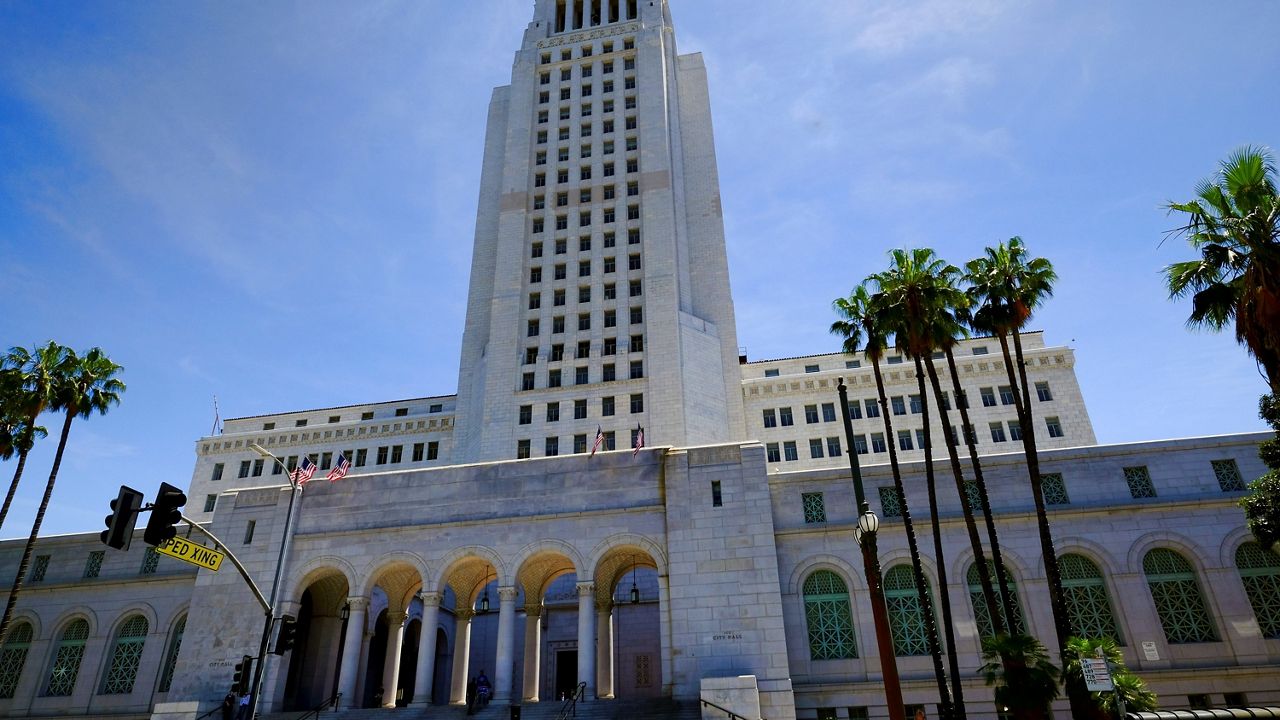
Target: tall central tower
{"x":599,"y":283}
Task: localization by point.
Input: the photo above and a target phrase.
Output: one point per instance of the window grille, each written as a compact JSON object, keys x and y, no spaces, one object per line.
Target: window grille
{"x":93,"y":565}
{"x":125,"y":657}
{"x":890,"y":503}
{"x":150,"y":560}
{"x":171,"y":657}
{"x":1139,"y":481}
{"x":1055,"y":489}
{"x":975,"y":497}
{"x":981,"y":613}
{"x":815,"y":510}
{"x":1088,"y":604}
{"x":1177,"y":597}
{"x":41,"y":567}
{"x":13,"y":657}
{"x":1260,"y":573}
{"x":66,"y":659}
{"x":828,"y":617}
{"x":1228,"y":474}
{"x":906,"y":615}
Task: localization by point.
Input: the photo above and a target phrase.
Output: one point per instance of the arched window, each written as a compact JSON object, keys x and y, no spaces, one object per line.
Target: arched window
{"x":830,"y":621}
{"x":1177,"y":596}
{"x":125,"y":657}
{"x":1088,"y":604}
{"x":13,"y":657}
{"x":906,"y":616}
{"x":980,"y":611}
{"x":1260,"y":572}
{"x":171,"y":657}
{"x":67,"y":657}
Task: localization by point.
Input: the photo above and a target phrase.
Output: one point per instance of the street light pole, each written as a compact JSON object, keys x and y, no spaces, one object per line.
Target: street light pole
{"x":865,"y":534}
{"x":295,"y":489}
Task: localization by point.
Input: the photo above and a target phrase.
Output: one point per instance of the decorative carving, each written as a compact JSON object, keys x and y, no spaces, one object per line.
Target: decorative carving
{"x":586,"y":589}
{"x":431,"y":599}
{"x":589,"y":35}
{"x":508,"y":593}
{"x":358,"y":603}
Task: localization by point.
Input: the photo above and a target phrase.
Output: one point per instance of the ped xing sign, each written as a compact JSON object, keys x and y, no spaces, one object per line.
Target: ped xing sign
{"x":190,"y":552}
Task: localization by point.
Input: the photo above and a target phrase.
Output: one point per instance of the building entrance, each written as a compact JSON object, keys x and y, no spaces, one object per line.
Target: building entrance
{"x":566,"y":673}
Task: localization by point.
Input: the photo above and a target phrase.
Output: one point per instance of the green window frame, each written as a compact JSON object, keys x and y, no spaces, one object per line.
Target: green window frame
{"x":1177,"y":597}
{"x":13,"y":657}
{"x":890,"y":502}
{"x":1055,"y":489}
{"x":171,"y":657}
{"x":815,"y":509}
{"x":150,"y":561}
{"x":126,"y":656}
{"x":1088,"y":603}
{"x":1228,"y":474}
{"x":1139,"y":480}
{"x":1260,"y":574}
{"x":906,"y":614}
{"x":972,"y":493}
{"x":829,"y":617}
{"x":66,"y":659}
{"x":981,"y":613}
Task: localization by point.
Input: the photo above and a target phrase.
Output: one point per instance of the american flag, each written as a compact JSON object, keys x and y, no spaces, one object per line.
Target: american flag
{"x":599,"y":440}
{"x":305,"y":470}
{"x":639,"y":440}
{"x":340,"y":468}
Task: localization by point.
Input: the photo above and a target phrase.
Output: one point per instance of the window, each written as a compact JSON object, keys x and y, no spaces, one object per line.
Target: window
{"x":980,"y":610}
{"x":13,"y":657}
{"x":533,"y":328}
{"x":542,"y":116}
{"x":526,"y":381}
{"x":904,"y":440}
{"x":544,"y":97}
{"x":584,"y":243}
{"x":257,"y":468}
{"x":209,"y":502}
{"x":607,"y":406}
{"x":789,"y":451}
{"x":126,"y":655}
{"x":633,"y":165}
{"x":828,"y":618}
{"x":988,"y":396}
{"x":852,"y":364}
{"x":1015,"y":430}
{"x":565,"y":93}
{"x":522,"y":449}
{"x":899,"y":407}
{"x":42,"y":566}
{"x":217,"y":472}
{"x":584,"y":268}
{"x":771,"y":372}
{"x":717,"y":499}
{"x":810,"y":414}
{"x":580,"y":375}
{"x":609,"y":240}
{"x":833,"y":447}
{"x":637,"y":315}
{"x":916,"y":405}
{"x":535,"y":275}
{"x":828,"y":412}
{"x":607,"y":67}
{"x":630,"y":84}
{"x":906,"y":615}
{"x":1177,"y":598}
{"x":609,"y":374}
{"x":785,"y":415}
{"x":564,"y":113}
{"x":382,"y":455}
{"x":772,"y":453}
{"x":1085,"y":594}
{"x":171,"y":657}
{"x":770,"y":418}
{"x":877,"y":443}
{"x":815,"y":448}
{"x":586,"y":110}
{"x":815,"y":510}
{"x":535,"y":301}
{"x":637,"y":343}
{"x":397,"y":453}
{"x":418,"y":449}
{"x":93,"y":565}
{"x":542,"y":140}
{"x":584,"y":349}
{"x":248,"y":531}
{"x":633,"y":262}
{"x":637,"y":403}
{"x":610,"y":346}
{"x":553,"y":378}
{"x":894,"y":359}
{"x":150,"y":561}
{"x":610,"y":441}
{"x":608,"y":167}
{"x":997,"y":432}
{"x":1139,"y":481}
{"x":635,"y":288}
{"x":579,"y":443}
{"x":66,"y":659}
{"x":586,"y":69}
{"x":873,"y":409}
{"x":362,"y":457}
{"x":1055,"y":427}
{"x":610,"y":318}
{"x":633,"y":236}
{"x":579,"y":409}
{"x":1228,"y":474}
{"x":244,"y":468}
{"x":1055,"y":489}
{"x":551,"y":447}
{"x":1259,"y":570}
{"x":562,"y":223}
{"x":637,"y":369}
{"x":433,"y":450}
{"x":1006,"y":395}
{"x":1042,"y":392}
{"x":855,"y":410}
{"x":860,"y":444}
{"x":586,"y":91}
{"x":557,"y":322}
{"x":584,"y":321}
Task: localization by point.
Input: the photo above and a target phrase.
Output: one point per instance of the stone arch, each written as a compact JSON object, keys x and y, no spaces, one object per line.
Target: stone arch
{"x":804,"y":568}
{"x":395,"y":572}
{"x":1231,"y":543}
{"x":136,"y":608}
{"x":1166,"y":539}
{"x":603,"y":548}
{"x":902,"y":556}
{"x":1020,"y":570}
{"x":558,"y":547}
{"x":176,"y":615}
{"x":467,"y":571}
{"x":32,"y":618}
{"x":615,"y":557}
{"x":541,"y":563}
{"x":70,"y":614}
{"x":316,"y":569}
{"x":1097,"y":553}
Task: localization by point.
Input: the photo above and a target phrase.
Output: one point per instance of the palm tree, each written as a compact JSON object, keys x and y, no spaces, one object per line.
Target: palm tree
{"x":1006,"y":288}
{"x":1234,"y":223}
{"x":859,"y":320}
{"x":81,"y":386}
{"x":1129,"y":687}
{"x":1026,"y":682}
{"x":26,"y":389}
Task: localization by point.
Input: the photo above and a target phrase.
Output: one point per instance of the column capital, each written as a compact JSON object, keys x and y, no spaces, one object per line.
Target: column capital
{"x":464,"y":614}
{"x":432,"y":599}
{"x":508,"y":594}
{"x":532,"y":611}
{"x":396,"y":619}
{"x":358,"y":603}
{"x":586,"y":589}
{"x":604,"y":606}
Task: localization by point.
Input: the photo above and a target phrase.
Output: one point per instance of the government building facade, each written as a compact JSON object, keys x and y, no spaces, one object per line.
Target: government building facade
{"x":703,"y":548}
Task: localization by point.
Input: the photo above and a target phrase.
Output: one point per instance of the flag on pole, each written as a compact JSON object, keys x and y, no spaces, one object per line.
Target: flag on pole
{"x":639,"y":440}
{"x":599,"y":440}
{"x":217,"y":420}
{"x":340,"y":468}
{"x":305,"y":470}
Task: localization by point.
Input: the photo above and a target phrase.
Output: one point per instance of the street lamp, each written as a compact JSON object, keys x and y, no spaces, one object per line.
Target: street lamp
{"x":864,"y":533}
{"x":295,"y":489}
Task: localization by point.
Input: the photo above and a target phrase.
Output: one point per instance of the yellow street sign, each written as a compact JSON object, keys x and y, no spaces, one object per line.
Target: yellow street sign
{"x":188,"y":551}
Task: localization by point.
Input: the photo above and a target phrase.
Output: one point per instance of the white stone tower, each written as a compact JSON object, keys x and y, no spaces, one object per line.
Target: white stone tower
{"x":599,"y":282}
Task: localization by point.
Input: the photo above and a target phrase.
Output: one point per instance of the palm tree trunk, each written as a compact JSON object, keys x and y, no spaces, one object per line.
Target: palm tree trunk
{"x":13,"y":486}
{"x":971,"y":526}
{"x":953,"y":660}
{"x":970,"y":439}
{"x":1076,"y":693}
{"x":917,"y":568}
{"x":35,"y":531}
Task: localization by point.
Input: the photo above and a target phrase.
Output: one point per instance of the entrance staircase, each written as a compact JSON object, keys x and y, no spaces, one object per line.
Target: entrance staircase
{"x":651,"y":709}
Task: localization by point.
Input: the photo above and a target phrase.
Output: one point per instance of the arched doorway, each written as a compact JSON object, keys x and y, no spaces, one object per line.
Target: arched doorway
{"x":313,"y":662}
{"x":628,"y":624}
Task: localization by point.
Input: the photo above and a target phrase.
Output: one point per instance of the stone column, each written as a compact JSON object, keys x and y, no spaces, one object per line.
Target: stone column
{"x":503,"y":674}
{"x":461,"y":655}
{"x":532,"y":649}
{"x":586,"y":637}
{"x":604,"y":649}
{"x":356,"y":621}
{"x":426,"y":650}
{"x":664,"y":635}
{"x":391,"y":665}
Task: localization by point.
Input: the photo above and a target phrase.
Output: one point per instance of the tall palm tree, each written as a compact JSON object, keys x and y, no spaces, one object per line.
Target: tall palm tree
{"x":1007,"y":286}
{"x":1019,"y":668}
{"x":81,"y":386}
{"x":858,"y":320}
{"x":1234,"y":223}
{"x":26,"y":389}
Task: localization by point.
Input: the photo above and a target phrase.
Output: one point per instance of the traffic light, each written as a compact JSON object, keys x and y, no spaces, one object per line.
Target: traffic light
{"x":165,"y":514}
{"x":286,"y":634}
{"x":124,"y":514}
{"x":240,"y":678}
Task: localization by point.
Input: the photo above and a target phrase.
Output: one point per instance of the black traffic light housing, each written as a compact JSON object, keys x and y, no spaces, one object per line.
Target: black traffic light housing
{"x":240,"y":678}
{"x":124,"y":515}
{"x":165,"y":515}
{"x":286,"y":634}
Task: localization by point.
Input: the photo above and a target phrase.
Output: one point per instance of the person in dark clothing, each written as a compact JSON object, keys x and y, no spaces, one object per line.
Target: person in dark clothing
{"x":229,"y":706}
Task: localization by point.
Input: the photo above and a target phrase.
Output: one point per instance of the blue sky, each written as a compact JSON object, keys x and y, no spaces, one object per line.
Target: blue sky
{"x":274,"y":202}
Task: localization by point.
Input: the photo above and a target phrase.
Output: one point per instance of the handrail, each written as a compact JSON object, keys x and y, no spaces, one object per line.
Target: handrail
{"x":732,"y":715}
{"x":215,"y":709}
{"x":570,"y":707}
{"x":331,"y":702}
